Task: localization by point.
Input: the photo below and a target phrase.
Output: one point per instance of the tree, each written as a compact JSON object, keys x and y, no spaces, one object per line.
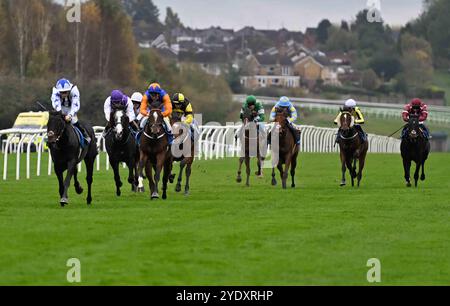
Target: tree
{"x":172,"y":20}
{"x":386,"y":66}
{"x":345,"y":26}
{"x":417,"y":62}
{"x":370,"y":80}
{"x":322,"y":31}
{"x":340,"y":40}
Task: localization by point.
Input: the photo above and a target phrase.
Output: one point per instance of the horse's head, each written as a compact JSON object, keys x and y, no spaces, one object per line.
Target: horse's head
{"x":346,"y":121}
{"x":121,"y":124}
{"x":155,"y":122}
{"x":55,"y":126}
{"x":247,"y":116}
{"x":413,"y":127}
{"x":281,"y":117}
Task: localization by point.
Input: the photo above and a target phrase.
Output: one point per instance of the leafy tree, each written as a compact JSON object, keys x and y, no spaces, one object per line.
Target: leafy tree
{"x":322,"y":31}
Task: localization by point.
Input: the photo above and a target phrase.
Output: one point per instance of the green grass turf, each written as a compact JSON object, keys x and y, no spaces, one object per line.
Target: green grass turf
{"x":228,"y":234}
{"x":442,"y":79}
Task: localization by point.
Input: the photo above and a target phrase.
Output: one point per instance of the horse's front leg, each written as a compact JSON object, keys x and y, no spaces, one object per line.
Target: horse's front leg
{"x":70,"y":171}
{"x":274,"y":180}
{"x":180,"y":176}
{"x":286,"y":171}
{"x":142,"y":165}
{"x":362,"y":161}
{"x":167,"y":173}
{"x":247,"y":166}
{"x":239,"y":177}
{"x":77,"y":185}
{"x":60,"y":175}
{"x":115,"y":166}
{"x":188,"y":177}
{"x":131,"y":176}
{"x":416,"y":173}
{"x":160,"y":159}
{"x":407,"y":168}
{"x":343,"y":169}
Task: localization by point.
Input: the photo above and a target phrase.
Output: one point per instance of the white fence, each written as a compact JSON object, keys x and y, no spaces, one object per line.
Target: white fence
{"x":215,"y":142}
{"x":438,"y":114}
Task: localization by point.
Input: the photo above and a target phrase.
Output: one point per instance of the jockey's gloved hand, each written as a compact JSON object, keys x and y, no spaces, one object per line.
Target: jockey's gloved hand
{"x":68,"y":118}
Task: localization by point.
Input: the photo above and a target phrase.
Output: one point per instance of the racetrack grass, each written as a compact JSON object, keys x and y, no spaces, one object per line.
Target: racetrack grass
{"x":228,"y":234}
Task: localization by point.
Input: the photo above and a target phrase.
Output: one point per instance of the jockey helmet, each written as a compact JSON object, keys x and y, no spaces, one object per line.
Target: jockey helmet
{"x":63,"y":85}
{"x":350,"y":103}
{"x":137,"y":98}
{"x":178,"y":98}
{"x":284,"y":102}
{"x":251,"y":100}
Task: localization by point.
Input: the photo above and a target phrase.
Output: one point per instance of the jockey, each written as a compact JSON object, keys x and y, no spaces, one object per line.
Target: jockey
{"x":287,"y":104}
{"x":351,"y":107}
{"x":136,"y":98}
{"x":156,"y":97}
{"x":256,"y":107}
{"x":119,"y":101}
{"x":66,"y":98}
{"x":417,"y":107}
{"x":182,"y":106}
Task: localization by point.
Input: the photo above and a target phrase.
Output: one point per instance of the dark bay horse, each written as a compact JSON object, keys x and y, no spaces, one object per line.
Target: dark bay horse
{"x":66,"y":154}
{"x":155,"y":154}
{"x":122,"y":148}
{"x":250,"y":137}
{"x":286,"y":151}
{"x":352,"y":148}
{"x":414,"y":147}
{"x":182,"y":139}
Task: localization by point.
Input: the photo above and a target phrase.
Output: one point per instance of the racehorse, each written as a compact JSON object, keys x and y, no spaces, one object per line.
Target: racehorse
{"x":182,"y":139}
{"x":67,"y":153}
{"x":352,"y":148}
{"x":122,"y":147}
{"x":286,"y":151}
{"x":414,"y":147}
{"x":246,"y":142}
{"x":155,"y":154}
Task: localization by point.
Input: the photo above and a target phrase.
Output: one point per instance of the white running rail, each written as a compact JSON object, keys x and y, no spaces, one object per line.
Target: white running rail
{"x":215,"y":142}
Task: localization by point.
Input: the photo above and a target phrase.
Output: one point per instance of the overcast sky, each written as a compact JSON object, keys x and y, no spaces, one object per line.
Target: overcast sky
{"x":274,"y":14}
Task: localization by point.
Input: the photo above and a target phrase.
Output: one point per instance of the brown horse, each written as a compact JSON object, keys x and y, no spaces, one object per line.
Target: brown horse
{"x":155,"y":154}
{"x":182,"y":139}
{"x":352,"y":148}
{"x":247,"y":141}
{"x":286,"y":151}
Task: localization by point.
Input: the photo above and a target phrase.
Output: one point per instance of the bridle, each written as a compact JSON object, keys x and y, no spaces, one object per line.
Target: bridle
{"x":345,"y":115}
{"x":154,"y":136}
{"x":118,"y":125}
{"x":52,"y":133}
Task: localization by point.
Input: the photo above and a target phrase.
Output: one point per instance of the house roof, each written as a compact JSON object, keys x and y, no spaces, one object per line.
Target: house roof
{"x":204,"y":57}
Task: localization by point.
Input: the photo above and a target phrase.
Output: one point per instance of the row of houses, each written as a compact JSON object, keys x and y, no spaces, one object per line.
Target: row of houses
{"x":288,"y":59}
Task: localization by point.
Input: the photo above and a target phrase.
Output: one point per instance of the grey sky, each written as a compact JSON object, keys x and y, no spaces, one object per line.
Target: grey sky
{"x":274,"y":14}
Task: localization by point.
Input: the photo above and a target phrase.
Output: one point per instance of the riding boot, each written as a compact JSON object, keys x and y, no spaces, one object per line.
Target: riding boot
{"x":404,"y":131}
{"x":169,"y":132}
{"x":86,"y":136}
{"x":295,"y":132}
{"x":425,"y":130}
{"x":361,"y":133}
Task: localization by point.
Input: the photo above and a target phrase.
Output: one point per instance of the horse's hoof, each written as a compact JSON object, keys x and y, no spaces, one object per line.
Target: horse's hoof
{"x":408,"y":184}
{"x":422,"y":178}
{"x":64,"y":202}
{"x":89,"y":201}
{"x":293,"y":185}
{"x":186,"y":193}
{"x":178,"y":188}
{"x":78,"y":190}
{"x":172,"y":178}
{"x":239,"y":180}
{"x":247,"y":185}
{"x":164,"y":197}
{"x":274,"y":182}
{"x":119,"y":193}
{"x":155,"y":196}
{"x":343,"y":184}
